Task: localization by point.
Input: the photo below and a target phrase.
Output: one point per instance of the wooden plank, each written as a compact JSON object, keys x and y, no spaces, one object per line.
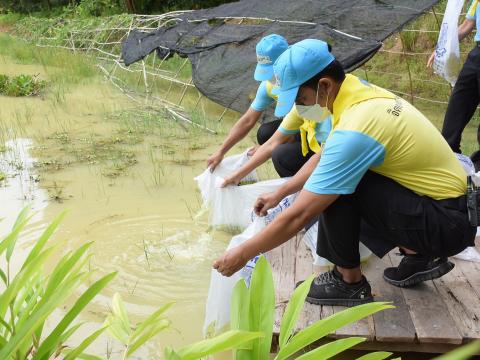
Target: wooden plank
{"x":430,"y":314}
{"x":462,"y":301}
{"x":394,"y":325}
{"x":303,"y":269}
{"x":282,"y":261}
{"x":470,"y":270}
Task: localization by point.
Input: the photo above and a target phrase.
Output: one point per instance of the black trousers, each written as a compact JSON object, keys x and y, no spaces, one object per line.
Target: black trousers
{"x":287,"y":158}
{"x":463,"y":101}
{"x":265,"y":131}
{"x":383,"y":214}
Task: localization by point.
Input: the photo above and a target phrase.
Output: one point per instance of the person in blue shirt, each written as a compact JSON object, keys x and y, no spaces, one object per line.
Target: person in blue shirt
{"x":268,"y":50}
{"x":466,"y":92}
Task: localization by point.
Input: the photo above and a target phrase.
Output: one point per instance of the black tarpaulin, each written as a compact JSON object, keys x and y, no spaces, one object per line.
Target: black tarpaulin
{"x":220,"y":42}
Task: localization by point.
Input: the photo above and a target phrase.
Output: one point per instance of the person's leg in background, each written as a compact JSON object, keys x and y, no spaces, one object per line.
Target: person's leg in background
{"x":287,"y":158}
{"x":266,"y":130}
{"x":463,"y":101}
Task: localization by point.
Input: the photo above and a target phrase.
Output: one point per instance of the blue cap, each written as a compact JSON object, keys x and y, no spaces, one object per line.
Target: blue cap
{"x":268,"y":50}
{"x":299,"y":63}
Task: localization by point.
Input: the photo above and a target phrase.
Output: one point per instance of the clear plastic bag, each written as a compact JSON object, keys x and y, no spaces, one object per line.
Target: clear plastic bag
{"x":206,"y":180}
{"x":469,"y":254}
{"x":232,"y":206}
{"x":217,"y":311}
{"x":447,"y":61}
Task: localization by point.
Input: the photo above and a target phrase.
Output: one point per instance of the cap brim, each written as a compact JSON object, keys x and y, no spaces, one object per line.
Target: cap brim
{"x":285,"y":101}
{"x":263,"y":72}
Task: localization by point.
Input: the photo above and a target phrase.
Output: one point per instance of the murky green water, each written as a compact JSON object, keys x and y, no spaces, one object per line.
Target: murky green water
{"x":127,"y":183}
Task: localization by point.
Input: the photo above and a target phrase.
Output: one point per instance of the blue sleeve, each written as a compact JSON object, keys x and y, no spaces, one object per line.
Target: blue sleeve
{"x":346,"y":158}
{"x":472,"y":13}
{"x":262,"y":100}
{"x":323,"y":130}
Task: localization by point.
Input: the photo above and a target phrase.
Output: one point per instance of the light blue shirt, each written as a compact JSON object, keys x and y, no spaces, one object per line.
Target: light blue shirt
{"x":346,"y":158}
{"x":262,"y":99}
{"x":472,"y":14}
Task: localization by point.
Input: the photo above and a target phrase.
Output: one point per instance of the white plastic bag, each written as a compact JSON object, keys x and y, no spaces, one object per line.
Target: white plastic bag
{"x":232,"y":206}
{"x":469,"y":254}
{"x":447,"y":61}
{"x":206,"y":180}
{"x":310,"y":239}
{"x":217,"y":312}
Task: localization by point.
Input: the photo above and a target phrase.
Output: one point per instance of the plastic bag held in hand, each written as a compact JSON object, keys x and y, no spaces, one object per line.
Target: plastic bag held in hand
{"x":206,"y":180}
{"x":447,"y":61}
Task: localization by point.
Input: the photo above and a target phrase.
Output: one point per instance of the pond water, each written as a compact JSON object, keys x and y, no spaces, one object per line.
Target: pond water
{"x":126,"y":179}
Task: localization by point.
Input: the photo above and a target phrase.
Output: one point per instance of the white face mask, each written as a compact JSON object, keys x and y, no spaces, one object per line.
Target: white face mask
{"x":314,"y":112}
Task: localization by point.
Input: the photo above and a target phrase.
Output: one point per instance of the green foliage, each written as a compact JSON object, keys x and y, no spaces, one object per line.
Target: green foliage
{"x":292,"y":311}
{"x":88,"y":8}
{"x":463,"y":353}
{"x":132,"y":337}
{"x":229,"y":340}
{"x":31,"y":295}
{"x":253,"y":309}
{"x":378,"y":355}
{"x":21,"y":85}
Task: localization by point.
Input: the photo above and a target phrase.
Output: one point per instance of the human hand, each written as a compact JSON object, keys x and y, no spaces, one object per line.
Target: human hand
{"x":214,"y":159}
{"x":265,"y":202}
{"x":231,"y":180}
{"x":231,"y":261}
{"x":431,"y":59}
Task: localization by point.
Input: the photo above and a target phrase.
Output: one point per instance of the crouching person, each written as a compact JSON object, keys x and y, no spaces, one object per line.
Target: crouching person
{"x":386,"y":177}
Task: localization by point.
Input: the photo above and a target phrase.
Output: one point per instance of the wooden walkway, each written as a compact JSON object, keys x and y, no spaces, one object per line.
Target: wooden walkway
{"x":435,"y":316}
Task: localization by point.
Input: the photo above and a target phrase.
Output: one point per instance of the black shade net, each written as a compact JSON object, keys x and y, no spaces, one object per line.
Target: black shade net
{"x":220,"y":42}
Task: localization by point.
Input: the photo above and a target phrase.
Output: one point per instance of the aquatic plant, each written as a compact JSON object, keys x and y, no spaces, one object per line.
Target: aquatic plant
{"x":31,"y":294}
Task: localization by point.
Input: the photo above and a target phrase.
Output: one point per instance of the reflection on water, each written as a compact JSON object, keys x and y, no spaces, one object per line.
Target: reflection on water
{"x":20,"y":187}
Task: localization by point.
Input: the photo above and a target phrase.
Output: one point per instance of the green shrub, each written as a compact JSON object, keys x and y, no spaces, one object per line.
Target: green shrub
{"x":21,"y":85}
{"x":30,"y":294}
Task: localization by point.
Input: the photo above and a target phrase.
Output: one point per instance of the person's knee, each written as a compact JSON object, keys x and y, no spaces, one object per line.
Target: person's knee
{"x":265,"y":132}
{"x":279,"y":161}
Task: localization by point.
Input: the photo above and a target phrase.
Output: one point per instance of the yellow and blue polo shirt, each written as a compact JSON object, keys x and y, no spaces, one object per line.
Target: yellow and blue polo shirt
{"x":312,"y":133}
{"x":472,"y":14}
{"x":264,"y":97}
{"x":375,"y":130}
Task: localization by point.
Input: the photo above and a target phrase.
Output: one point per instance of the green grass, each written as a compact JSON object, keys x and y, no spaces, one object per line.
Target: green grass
{"x":62,"y":66}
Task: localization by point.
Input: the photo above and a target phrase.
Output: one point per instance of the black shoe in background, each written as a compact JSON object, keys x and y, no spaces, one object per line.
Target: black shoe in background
{"x":330,"y":289}
{"x":415,"y":269}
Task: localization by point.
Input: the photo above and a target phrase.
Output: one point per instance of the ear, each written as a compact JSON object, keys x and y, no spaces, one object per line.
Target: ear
{"x":324,"y":86}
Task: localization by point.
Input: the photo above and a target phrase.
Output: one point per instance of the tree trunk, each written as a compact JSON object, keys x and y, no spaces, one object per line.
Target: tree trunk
{"x":130,"y":6}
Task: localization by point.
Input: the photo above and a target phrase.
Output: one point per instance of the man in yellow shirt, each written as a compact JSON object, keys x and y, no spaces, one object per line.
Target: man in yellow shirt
{"x":384,"y":164}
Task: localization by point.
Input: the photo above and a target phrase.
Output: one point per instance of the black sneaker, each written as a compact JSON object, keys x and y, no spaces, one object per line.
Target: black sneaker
{"x":330,"y":289}
{"x":415,"y":269}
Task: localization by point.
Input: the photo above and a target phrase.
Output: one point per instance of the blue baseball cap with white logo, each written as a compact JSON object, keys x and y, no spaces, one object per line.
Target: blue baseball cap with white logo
{"x":268,"y":50}
{"x":299,"y":63}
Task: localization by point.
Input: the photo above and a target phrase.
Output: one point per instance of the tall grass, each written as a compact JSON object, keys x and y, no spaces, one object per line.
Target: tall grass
{"x":62,"y":66}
